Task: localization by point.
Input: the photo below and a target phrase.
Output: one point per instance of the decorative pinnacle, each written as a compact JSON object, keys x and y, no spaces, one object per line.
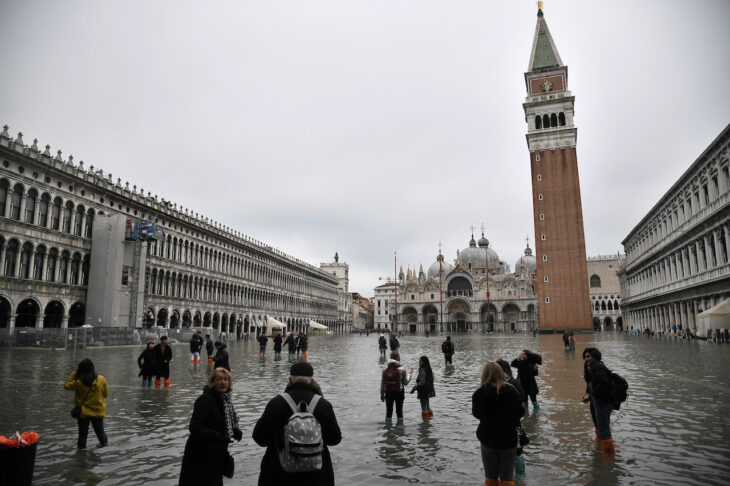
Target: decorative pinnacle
{"x":539,"y":5}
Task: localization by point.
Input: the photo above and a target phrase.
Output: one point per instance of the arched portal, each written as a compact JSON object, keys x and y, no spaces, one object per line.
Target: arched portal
{"x":175,"y":319}
{"x":459,"y":286}
{"x":187,"y":318}
{"x":27,"y":313}
{"x":511,"y":316}
{"x":487,"y":316}
{"x":53,"y":315}
{"x":216,"y":320}
{"x":77,"y":315}
{"x":596,"y":324}
{"x":207,"y":319}
{"x":198,"y":319}
{"x":162,"y":317}
{"x":149,"y":317}
{"x":5,"y":311}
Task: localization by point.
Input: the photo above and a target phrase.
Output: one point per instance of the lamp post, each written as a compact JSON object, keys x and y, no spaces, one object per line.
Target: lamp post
{"x":395,"y":275}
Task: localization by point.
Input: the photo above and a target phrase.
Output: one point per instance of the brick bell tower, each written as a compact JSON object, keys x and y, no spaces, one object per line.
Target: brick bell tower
{"x":562,"y":273}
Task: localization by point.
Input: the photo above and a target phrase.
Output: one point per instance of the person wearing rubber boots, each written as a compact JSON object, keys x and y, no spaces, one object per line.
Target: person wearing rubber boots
{"x":598,"y":392}
{"x":163,"y":356}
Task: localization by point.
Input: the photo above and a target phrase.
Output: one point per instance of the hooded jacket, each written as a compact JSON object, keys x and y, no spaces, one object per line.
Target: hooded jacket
{"x":405,"y":378}
{"x":269,"y":433}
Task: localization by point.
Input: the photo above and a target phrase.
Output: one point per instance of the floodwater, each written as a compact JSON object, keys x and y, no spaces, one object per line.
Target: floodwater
{"x":674,"y":428}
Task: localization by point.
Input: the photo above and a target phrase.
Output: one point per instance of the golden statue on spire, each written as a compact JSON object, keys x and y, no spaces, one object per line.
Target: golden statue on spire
{"x":539,"y":5}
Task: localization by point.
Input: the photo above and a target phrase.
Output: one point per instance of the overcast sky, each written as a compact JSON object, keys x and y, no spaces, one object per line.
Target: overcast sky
{"x":367,"y":127}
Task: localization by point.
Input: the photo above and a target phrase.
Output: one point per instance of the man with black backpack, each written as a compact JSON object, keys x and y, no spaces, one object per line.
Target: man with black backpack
{"x":605,"y":390}
{"x":296,"y":428}
{"x":392,"y":388}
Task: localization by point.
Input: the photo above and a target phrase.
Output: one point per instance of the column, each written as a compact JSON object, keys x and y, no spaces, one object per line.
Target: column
{"x":83,"y":222}
{"x":716,"y":233}
{"x":686,"y":259}
{"x":64,"y":322}
{"x":22,"y":206}
{"x":31,"y":264}
{"x":726,"y":230}
{"x":39,"y":320}
{"x":2,"y":258}
{"x":18,"y":257}
{"x":11,"y":324}
{"x":44,"y":262}
{"x":708,"y":256}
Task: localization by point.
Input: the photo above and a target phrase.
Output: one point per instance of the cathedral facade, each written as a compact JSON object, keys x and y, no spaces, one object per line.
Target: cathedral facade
{"x":478,"y":292}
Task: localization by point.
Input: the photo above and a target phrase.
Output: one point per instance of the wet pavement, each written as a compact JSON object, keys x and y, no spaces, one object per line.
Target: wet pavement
{"x":674,"y":428}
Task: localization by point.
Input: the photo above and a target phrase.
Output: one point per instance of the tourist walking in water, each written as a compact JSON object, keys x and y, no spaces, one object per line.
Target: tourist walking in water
{"x":291,"y":344}
{"x":196,"y":345}
{"x":394,"y":342}
{"x":277,"y":345}
{"x":598,"y":388}
{"x":221,"y":356}
{"x":497,"y":405}
{"x":213,"y":426}
{"x":303,"y":345}
{"x":262,"y":344}
{"x":526,"y":364}
{"x":447,"y":347}
{"x":146,"y":363}
{"x":163,"y":356}
{"x":382,"y":345}
{"x":392,"y":388}
{"x":90,"y":395}
{"x":280,"y":466}
{"x":209,"y":348}
{"x":424,"y":387}
{"x":566,"y":340}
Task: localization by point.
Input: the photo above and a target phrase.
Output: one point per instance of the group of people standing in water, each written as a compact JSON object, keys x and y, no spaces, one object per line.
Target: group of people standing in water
{"x":499,"y":403}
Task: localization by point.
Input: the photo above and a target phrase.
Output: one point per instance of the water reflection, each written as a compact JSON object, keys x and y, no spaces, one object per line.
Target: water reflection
{"x":673,"y":427}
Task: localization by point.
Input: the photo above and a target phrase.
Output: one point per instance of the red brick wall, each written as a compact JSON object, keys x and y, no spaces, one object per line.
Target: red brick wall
{"x":566,"y":267}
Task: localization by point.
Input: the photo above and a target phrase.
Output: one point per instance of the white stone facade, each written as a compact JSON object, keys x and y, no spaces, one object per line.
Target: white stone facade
{"x":383,"y":306}
{"x":605,"y":291}
{"x":341,"y":271}
{"x":196,"y":273}
{"x":677,"y":256}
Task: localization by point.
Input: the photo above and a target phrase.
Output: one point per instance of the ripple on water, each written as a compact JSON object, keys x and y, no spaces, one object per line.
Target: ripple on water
{"x":674,"y":425}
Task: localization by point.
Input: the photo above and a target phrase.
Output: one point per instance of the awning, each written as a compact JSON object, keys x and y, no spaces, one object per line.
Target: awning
{"x":720,"y":310}
{"x":272,"y":323}
{"x":316,"y":325}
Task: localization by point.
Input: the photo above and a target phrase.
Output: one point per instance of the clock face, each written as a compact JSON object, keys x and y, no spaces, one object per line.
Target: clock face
{"x":547,"y":86}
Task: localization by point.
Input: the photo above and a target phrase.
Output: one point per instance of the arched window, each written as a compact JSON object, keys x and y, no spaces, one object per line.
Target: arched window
{"x":63,"y":267}
{"x":545,"y":121}
{"x":51,"y":265}
{"x":11,"y":257}
{"x":538,"y":122}
{"x":43,"y":210}
{"x":67,"y":213}
{"x":30,"y":201}
{"x":40,"y":254}
{"x":89,"y":223}
{"x":15,"y":198}
{"x":603,"y":306}
{"x":56,"y":213}
{"x":598,"y":306}
{"x":4,"y":185}
{"x":561,"y":119}
{"x":595,"y":281}
{"x":80,"y":213}
{"x":25,"y":259}
{"x":553,"y":120}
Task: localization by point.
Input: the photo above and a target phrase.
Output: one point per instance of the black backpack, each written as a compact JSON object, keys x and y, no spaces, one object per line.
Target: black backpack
{"x":618,"y":390}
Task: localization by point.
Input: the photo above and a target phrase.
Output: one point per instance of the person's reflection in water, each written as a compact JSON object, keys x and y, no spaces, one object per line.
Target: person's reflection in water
{"x":394,"y":450}
{"x":428,"y":443}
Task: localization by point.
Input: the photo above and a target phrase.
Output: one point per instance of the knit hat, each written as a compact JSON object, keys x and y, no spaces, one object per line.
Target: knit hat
{"x":302,"y":369}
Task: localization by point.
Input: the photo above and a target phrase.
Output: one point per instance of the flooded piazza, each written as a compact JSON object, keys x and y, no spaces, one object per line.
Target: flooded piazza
{"x":673,"y":427}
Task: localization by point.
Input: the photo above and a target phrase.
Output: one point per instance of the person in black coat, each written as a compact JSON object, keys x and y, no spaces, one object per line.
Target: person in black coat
{"x":526,"y":364}
{"x":497,"y":405}
{"x":291,"y":342}
{"x":213,"y":426}
{"x":196,"y":344}
{"x":221,"y":356}
{"x":598,"y":389}
{"x":277,"y":345}
{"x":269,"y":432}
{"x":209,"y":348}
{"x":163,"y":356}
{"x":146,"y":363}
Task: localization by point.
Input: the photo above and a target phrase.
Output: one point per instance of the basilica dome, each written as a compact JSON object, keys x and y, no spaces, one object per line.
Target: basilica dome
{"x":476,"y":258}
{"x":527,"y":261}
{"x":433,"y":270}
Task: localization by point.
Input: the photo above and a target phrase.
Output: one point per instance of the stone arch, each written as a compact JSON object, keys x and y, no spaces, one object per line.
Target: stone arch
{"x":595,"y":281}
{"x":175,"y":319}
{"x":459,"y":286}
{"x":162,"y":316}
{"x":77,"y":314}
{"x":187,"y":318}
{"x":430,"y":314}
{"x":27,"y":313}
{"x":53,"y":314}
{"x":596,"y":324}
{"x":149,"y":320}
{"x":608,"y":323}
{"x":6,"y":309}
{"x":511,"y":315}
{"x":197,"y":319}
{"x":561,"y":119}
{"x":216,"y":320}
{"x":553,"y":120}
